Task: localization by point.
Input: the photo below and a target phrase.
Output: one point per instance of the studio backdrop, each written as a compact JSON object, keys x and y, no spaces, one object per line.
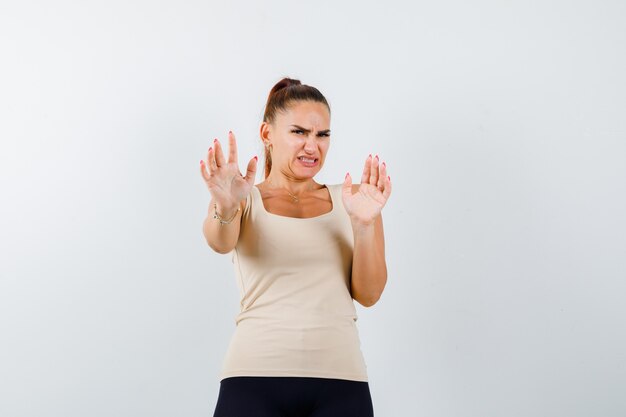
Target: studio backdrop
{"x":502,"y":124}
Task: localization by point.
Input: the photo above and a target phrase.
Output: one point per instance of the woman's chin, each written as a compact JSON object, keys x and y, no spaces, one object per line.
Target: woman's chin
{"x":307,"y":172}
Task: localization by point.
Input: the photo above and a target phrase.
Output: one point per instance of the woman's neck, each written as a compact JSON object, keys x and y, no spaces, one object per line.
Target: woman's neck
{"x":294,"y":186}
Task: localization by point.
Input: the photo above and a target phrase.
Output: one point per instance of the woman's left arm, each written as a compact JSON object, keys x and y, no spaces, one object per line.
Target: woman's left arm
{"x":369,"y":269}
{"x":364,"y":203}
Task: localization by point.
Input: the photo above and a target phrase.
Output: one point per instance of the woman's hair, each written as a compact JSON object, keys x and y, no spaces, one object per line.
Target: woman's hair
{"x":282,"y":95}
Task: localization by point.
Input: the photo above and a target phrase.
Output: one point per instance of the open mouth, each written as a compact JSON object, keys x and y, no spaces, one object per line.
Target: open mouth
{"x":307,"y":160}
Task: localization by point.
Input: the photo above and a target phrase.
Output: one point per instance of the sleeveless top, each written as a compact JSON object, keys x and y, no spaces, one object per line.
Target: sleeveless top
{"x":297,"y":316}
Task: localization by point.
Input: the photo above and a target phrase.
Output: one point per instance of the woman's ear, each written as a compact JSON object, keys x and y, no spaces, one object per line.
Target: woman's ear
{"x":264,"y":132}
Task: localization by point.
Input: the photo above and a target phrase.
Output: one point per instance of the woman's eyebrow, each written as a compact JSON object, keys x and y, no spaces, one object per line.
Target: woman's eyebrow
{"x":307,"y":130}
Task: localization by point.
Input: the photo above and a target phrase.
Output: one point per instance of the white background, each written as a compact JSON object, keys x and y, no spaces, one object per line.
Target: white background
{"x":502,"y":124}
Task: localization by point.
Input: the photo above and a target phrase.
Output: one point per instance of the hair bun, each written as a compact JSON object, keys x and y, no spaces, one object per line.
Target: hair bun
{"x":284,"y":83}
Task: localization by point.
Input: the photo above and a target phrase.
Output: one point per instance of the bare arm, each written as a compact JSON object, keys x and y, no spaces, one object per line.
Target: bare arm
{"x":222,"y":238}
{"x":364,"y":203}
{"x":369,"y":268}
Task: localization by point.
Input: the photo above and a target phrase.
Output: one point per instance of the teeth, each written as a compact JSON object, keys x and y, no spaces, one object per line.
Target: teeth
{"x":306,"y":159}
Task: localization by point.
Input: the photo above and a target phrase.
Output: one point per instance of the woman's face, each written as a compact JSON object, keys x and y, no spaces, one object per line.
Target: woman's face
{"x":299,"y":139}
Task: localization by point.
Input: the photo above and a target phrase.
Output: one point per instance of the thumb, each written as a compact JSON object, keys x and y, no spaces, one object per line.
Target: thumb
{"x":251,"y":171}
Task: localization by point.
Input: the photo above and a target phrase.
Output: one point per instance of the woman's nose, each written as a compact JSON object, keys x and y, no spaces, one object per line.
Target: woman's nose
{"x":309,"y":143}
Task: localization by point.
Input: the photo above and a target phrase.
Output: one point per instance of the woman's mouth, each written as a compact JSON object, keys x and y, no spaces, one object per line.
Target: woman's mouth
{"x":308,"y":162}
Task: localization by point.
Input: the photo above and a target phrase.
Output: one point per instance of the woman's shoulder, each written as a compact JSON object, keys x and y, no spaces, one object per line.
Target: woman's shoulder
{"x":339,"y":187}
{"x":334,"y":189}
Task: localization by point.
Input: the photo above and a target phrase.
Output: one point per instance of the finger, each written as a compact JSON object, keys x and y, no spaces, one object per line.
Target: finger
{"x":346,"y":189}
{"x":251,"y":170}
{"x":373,"y":179}
{"x":219,"y":154}
{"x":382,"y":176}
{"x":205,"y":174}
{"x":366,"y":170}
{"x":232,"y":147}
{"x":387,"y":189}
{"x":211,"y":161}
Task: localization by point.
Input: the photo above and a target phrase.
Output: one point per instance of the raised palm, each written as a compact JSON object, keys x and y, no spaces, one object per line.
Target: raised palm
{"x":223,"y":178}
{"x":368,"y":201}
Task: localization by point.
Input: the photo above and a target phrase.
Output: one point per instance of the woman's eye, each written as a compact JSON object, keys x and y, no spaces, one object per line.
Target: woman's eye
{"x":298,"y":131}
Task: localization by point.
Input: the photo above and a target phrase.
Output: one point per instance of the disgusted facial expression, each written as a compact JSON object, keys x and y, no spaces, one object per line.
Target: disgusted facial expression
{"x":299,"y":138}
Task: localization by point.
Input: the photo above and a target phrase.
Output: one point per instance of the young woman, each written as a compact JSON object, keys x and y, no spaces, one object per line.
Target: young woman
{"x":302,"y":251}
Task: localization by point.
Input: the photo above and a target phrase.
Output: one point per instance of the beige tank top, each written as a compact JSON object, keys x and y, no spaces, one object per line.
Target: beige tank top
{"x":297,"y":317}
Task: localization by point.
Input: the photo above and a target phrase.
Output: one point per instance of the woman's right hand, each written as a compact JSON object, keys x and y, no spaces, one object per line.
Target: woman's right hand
{"x":224,"y":180}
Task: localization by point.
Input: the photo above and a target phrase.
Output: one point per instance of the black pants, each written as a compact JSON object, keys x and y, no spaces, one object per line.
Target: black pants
{"x":290,"y":396}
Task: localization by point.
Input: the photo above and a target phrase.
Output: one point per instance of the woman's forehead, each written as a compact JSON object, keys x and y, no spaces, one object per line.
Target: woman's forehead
{"x":306,"y":114}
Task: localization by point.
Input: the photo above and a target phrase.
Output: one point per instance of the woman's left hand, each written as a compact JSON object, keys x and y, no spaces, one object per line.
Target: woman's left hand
{"x":372,"y":194}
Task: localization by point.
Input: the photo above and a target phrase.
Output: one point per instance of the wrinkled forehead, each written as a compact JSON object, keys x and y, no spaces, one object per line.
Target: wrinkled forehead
{"x":308,"y":114}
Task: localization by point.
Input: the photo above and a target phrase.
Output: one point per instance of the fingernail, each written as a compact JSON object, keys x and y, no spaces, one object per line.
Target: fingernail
{"x":201,"y":162}
{"x":230,"y":132}
{"x":377,"y":157}
{"x":384,"y":164}
{"x":370,"y":156}
{"x":347,"y":173}
{"x":214,"y":140}
{"x":388,"y":177}
{"x":210,"y":148}
{"x":256,"y":158}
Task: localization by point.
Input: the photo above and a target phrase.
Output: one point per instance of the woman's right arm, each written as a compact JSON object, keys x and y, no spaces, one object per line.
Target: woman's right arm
{"x":229,"y":190}
{"x":222,"y":238}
